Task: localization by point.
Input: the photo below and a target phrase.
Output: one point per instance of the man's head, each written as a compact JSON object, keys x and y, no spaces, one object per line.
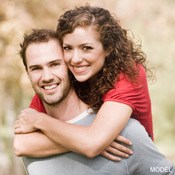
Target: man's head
{"x":36,"y":36}
{"x":43,"y":59}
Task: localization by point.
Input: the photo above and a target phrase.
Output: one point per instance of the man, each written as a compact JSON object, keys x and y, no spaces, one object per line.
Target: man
{"x":42,"y":55}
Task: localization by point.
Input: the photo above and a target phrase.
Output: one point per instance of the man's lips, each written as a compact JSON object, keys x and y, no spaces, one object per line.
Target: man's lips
{"x":49,"y":87}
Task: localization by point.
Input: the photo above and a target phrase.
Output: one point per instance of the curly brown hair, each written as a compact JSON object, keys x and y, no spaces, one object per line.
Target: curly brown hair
{"x":123,"y":53}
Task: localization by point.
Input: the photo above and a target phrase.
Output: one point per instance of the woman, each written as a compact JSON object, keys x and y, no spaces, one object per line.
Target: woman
{"x":106,"y":64}
{"x":108,"y":73}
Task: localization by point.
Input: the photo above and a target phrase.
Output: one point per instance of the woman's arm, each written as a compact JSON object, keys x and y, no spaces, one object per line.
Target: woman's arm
{"x":90,"y":140}
{"x":36,"y":144}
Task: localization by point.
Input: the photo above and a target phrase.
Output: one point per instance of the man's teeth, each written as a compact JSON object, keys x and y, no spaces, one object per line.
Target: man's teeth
{"x":50,"y":87}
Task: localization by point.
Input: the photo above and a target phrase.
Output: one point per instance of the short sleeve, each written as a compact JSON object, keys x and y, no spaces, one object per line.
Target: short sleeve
{"x":133,"y":94}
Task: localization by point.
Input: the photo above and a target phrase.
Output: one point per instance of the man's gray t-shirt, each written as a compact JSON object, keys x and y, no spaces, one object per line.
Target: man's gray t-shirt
{"x":144,"y":161}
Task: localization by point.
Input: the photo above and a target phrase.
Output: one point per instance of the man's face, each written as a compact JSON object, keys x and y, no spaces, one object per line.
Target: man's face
{"x":47,"y":71}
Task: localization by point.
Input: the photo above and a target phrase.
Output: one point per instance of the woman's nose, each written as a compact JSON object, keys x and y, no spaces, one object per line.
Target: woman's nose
{"x":76,"y":57}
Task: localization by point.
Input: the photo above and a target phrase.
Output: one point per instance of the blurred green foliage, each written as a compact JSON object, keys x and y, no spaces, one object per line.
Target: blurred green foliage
{"x":152,"y":21}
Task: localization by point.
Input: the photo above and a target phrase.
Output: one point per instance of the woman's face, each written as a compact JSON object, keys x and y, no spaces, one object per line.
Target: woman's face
{"x":84,"y":53}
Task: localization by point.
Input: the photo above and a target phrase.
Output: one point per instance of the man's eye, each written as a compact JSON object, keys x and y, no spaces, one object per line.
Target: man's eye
{"x":55,"y":64}
{"x":35,"y":68}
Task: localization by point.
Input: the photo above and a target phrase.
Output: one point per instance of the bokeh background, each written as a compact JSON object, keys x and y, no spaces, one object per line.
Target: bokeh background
{"x":151,"y":21}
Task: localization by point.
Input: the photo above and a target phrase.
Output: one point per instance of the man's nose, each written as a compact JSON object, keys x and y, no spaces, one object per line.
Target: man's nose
{"x":47,"y":75}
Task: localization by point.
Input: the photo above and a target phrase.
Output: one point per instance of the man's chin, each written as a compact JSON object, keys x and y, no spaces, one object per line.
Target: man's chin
{"x":51,"y":102}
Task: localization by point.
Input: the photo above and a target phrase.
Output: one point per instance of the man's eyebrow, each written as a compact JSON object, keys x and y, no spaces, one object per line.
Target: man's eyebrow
{"x":57,"y":60}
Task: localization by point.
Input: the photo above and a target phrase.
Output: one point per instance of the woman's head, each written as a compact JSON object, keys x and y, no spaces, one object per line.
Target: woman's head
{"x":120,"y":53}
{"x":87,"y":16}
{"x":84,"y":50}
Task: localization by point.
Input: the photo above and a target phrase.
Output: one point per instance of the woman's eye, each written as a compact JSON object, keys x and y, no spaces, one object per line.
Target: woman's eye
{"x":87,"y":48}
{"x":66,"y":48}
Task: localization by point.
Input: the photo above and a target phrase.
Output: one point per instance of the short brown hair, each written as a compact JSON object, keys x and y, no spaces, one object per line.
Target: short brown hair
{"x":36,"y":36}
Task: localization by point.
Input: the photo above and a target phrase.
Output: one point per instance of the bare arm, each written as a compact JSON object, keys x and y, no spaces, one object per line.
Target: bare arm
{"x":90,"y":140}
{"x":36,"y":144}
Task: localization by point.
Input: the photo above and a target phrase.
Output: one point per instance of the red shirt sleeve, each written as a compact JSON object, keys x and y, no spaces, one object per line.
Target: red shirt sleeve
{"x":135,"y":95}
{"x":37,"y":104}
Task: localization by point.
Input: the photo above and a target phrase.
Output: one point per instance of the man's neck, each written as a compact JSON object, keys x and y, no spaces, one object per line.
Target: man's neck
{"x":68,"y":108}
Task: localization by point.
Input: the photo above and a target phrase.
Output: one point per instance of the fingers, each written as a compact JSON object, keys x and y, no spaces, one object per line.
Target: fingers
{"x":121,"y":149}
{"x":21,"y":114}
{"x":17,"y":129}
{"x":122,"y":139}
{"x":117,"y":149}
{"x":117,"y":152}
{"x":26,"y":111}
{"x":24,"y":124}
{"x":110,"y":156}
{"x":16,"y":124}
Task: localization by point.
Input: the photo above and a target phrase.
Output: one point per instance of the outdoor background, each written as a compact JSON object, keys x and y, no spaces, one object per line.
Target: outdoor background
{"x":152,"y":21}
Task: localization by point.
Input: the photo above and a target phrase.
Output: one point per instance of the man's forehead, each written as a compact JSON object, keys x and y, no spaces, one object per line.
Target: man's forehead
{"x":44,"y":53}
{"x":51,"y":47}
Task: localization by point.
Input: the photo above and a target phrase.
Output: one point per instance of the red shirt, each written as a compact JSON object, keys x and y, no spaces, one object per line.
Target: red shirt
{"x":37,"y":104}
{"x":136,"y":95}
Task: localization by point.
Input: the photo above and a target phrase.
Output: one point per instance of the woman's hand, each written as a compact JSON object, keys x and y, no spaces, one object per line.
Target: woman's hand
{"x":26,"y":120}
{"x":118,"y":149}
